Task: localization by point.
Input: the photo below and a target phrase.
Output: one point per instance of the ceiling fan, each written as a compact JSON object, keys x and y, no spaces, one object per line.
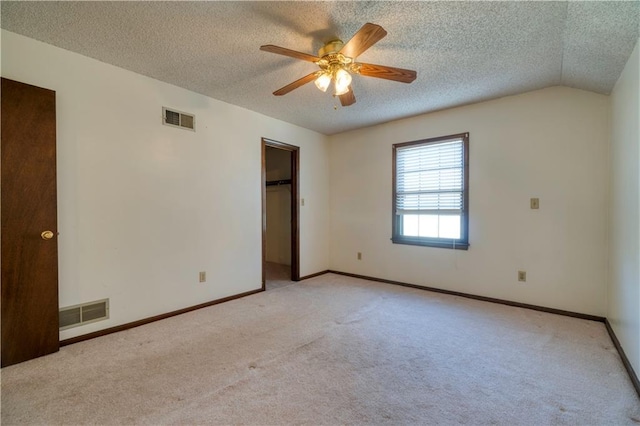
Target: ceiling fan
{"x":337,"y":62}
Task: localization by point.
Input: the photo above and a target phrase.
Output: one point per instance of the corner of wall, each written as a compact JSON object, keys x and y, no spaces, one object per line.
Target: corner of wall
{"x":623,"y":285}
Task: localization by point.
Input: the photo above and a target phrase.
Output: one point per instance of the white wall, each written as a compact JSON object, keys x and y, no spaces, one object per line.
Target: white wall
{"x":551,"y":144}
{"x":624,"y":284}
{"x":144,"y":207}
{"x":278,"y":167}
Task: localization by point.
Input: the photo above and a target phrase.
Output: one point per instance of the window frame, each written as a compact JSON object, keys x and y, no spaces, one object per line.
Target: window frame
{"x":459,"y":244}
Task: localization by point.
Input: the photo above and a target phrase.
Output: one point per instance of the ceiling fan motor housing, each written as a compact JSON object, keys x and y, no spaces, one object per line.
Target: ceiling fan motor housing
{"x":334,"y":46}
{"x":332,"y":60}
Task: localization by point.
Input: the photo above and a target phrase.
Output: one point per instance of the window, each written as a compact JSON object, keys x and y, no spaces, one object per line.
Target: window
{"x":431,"y":192}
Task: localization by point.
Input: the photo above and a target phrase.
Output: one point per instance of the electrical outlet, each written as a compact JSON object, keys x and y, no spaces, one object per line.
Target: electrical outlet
{"x":535,"y":203}
{"x":522,"y":276}
{"x":203,"y":276}
{"x":359,"y":256}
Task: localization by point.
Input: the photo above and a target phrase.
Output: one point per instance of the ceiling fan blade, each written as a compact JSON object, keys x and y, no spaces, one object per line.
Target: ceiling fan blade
{"x":366,"y":37}
{"x":388,"y":73}
{"x":288,"y":52}
{"x":292,"y":86}
{"x":348,"y":98}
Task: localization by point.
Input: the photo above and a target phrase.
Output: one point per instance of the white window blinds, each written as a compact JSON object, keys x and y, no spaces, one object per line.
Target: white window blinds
{"x":430,"y":178}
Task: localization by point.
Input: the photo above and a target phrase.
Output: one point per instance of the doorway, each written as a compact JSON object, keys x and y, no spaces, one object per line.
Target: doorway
{"x":280,"y":215}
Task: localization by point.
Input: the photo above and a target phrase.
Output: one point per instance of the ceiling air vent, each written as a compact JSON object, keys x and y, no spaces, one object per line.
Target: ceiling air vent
{"x":85,"y":313}
{"x":173,"y":118}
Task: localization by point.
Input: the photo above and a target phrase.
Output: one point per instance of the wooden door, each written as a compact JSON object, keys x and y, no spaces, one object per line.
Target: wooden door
{"x":29,"y":254}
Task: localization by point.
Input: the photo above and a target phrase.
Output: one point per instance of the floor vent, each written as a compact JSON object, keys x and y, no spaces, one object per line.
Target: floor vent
{"x":85,"y":313}
{"x":179,"y":119}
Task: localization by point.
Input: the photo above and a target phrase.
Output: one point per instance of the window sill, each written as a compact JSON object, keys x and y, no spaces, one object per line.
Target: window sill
{"x":448,"y":244}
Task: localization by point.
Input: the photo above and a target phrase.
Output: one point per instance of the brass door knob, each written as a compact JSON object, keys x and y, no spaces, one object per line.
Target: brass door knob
{"x":47,"y":235}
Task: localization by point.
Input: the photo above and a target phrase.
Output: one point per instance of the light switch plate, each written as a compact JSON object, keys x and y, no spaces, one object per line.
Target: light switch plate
{"x":535,"y":203}
{"x":522,"y":276}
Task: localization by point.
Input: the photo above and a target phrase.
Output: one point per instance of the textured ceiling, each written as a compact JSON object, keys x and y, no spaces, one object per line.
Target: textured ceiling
{"x":464,"y":52}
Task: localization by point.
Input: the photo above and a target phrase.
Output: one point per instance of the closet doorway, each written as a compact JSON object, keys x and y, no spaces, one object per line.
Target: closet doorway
{"x":280,"y":215}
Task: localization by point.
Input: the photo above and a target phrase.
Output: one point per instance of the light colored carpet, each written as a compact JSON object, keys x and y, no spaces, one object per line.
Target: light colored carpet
{"x":333,"y":350}
{"x":277,"y":275}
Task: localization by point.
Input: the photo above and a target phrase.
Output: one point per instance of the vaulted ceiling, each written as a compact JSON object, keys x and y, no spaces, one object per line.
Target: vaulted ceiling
{"x":463,"y":52}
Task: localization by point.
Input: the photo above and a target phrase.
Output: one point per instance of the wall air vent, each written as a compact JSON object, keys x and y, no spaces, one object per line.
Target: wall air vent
{"x":173,"y":118}
{"x":85,"y":313}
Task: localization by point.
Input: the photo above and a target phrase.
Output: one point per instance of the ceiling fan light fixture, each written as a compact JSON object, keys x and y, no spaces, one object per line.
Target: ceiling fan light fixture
{"x":341,"y":91}
{"x":323,"y":81}
{"x":343,"y":80}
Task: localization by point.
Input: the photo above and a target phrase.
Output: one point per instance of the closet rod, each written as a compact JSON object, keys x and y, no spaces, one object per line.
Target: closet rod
{"x":279,"y":182}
